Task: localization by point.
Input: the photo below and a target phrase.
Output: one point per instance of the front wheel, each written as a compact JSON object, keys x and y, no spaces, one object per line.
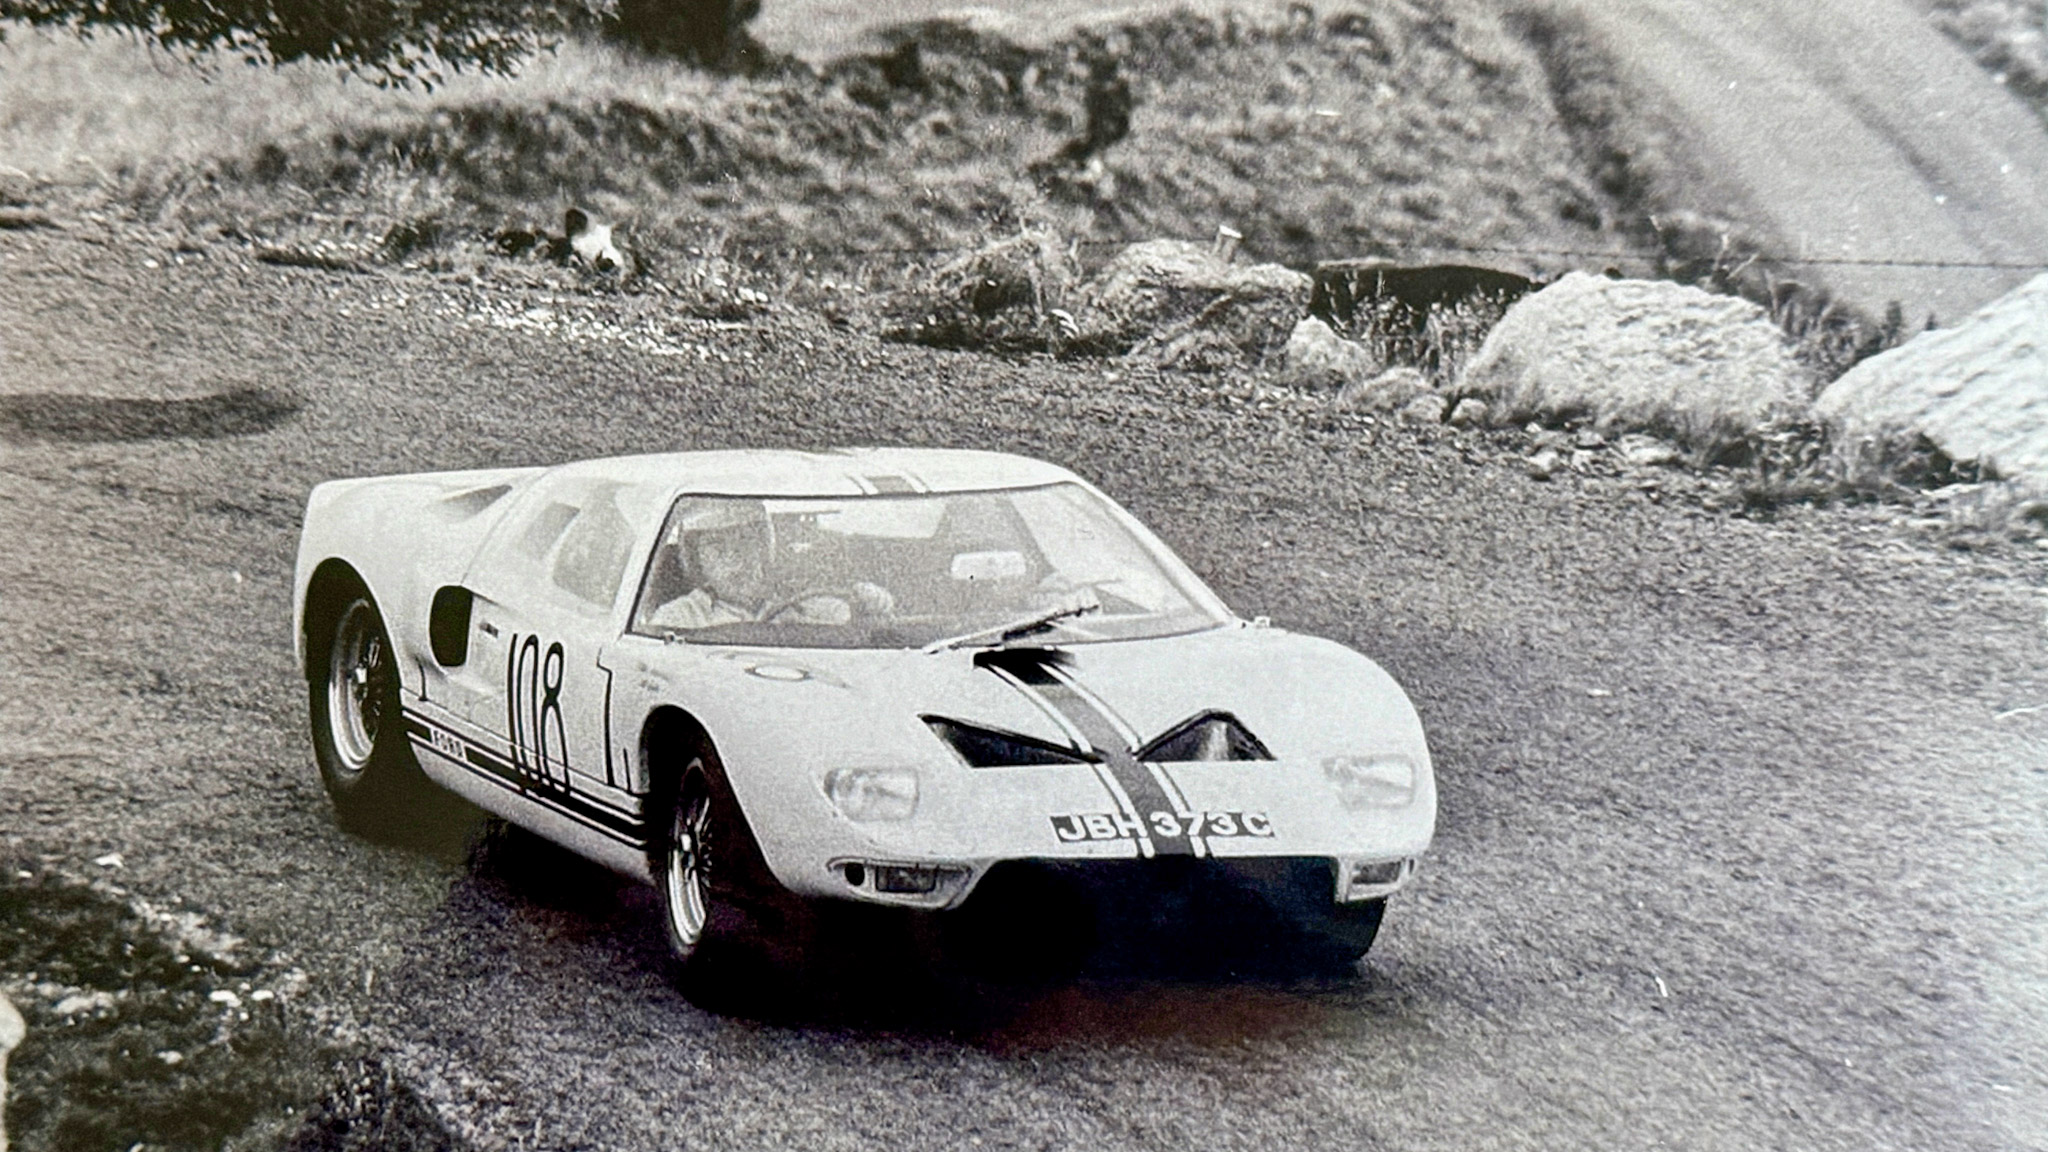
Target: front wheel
{"x":359,"y":736}
{"x":698,"y":862}
{"x":1338,"y":938}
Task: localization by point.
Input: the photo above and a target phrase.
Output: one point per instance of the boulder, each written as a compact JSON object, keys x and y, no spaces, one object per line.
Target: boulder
{"x":1978,"y":391}
{"x":1639,"y":354}
{"x":1318,"y":360}
{"x":12,"y":1030}
{"x":1155,"y":293}
{"x":1645,"y":451}
{"x":1390,"y":391}
{"x":1427,"y":408}
{"x":1471,"y":412}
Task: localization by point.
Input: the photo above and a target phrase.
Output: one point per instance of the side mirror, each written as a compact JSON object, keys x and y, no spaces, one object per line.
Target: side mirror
{"x":448,"y":625}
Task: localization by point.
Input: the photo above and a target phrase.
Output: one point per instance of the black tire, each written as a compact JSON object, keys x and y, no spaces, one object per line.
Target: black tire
{"x":708,"y":872}
{"x":1336,"y":939}
{"x":1024,"y":929}
{"x":359,"y":739}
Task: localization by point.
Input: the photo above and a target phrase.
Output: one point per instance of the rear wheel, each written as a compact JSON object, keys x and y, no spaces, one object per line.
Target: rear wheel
{"x":359,"y":736}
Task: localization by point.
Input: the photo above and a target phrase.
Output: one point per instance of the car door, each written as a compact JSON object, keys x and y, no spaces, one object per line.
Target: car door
{"x":549,"y":594}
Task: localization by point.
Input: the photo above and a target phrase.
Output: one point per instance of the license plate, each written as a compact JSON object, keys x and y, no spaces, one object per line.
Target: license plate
{"x":1077,"y":827}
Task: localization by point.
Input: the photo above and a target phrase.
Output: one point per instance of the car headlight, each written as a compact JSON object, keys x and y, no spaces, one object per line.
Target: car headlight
{"x":1372,"y":781}
{"x":873,"y":794}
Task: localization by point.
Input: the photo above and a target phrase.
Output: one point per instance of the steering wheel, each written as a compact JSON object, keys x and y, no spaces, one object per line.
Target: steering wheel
{"x":848,"y":595}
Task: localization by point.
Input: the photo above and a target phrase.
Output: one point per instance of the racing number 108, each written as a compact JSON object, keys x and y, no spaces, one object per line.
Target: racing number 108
{"x":533,"y":709}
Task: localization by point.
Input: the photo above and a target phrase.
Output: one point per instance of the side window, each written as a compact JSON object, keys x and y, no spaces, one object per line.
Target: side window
{"x":544,"y":529}
{"x":569,"y":547}
{"x":591,"y":562}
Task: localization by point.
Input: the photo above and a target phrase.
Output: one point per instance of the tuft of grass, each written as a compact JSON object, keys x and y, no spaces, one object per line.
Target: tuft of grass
{"x":1827,"y":335}
{"x":1015,"y":294}
{"x":1792,"y":463}
{"x":147,"y":1027}
{"x":1439,"y":342}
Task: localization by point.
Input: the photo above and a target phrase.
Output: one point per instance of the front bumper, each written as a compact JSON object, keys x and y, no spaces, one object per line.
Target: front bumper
{"x":967,"y":823}
{"x":945,"y":885}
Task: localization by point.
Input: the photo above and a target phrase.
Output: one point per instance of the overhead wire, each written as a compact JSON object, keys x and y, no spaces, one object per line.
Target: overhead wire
{"x":1601,"y":254}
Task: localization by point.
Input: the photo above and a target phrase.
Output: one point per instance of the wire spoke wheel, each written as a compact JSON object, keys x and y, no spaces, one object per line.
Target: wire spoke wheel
{"x":358,"y":685}
{"x":359,"y":738}
{"x":686,"y":881}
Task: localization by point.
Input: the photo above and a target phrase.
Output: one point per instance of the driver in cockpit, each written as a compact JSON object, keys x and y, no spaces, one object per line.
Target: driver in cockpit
{"x":724,"y":552}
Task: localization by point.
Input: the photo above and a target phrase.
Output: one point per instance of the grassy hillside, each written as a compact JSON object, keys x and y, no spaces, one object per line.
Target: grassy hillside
{"x":1394,"y":126}
{"x":1425,"y":130}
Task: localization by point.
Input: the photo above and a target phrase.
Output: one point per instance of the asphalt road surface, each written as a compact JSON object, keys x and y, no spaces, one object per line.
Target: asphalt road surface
{"x":1742,"y":840}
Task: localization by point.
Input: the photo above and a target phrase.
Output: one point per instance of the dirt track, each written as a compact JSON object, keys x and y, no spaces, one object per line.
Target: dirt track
{"x":1830,"y":129}
{"x":1742,"y":840}
{"x":1852,"y":129}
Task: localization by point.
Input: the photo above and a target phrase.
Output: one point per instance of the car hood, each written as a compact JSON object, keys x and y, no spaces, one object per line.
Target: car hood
{"x":1295,"y":696}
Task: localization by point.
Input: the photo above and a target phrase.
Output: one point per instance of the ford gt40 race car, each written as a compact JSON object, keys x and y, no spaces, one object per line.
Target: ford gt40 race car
{"x":892,"y":677}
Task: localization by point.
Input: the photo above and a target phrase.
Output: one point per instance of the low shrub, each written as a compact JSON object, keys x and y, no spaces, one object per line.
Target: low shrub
{"x":149,"y":1028}
{"x":1011,"y":295}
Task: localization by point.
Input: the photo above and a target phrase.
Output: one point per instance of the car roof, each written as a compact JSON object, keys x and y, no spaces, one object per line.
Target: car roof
{"x":835,"y":472}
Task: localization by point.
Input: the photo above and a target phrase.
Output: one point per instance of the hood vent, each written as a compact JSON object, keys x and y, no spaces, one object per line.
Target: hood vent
{"x":1207,"y":736}
{"x":995,"y":748}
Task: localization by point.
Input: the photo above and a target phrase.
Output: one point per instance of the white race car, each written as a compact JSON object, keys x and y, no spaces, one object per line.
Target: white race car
{"x":920,"y":678}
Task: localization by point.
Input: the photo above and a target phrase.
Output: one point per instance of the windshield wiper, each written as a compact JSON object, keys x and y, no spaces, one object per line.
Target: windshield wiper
{"x":1001,"y":634}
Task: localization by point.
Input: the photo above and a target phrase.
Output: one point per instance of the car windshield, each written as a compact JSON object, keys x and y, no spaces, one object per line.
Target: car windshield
{"x":905,"y":571}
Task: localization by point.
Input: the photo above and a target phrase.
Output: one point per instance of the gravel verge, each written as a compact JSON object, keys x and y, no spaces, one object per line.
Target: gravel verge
{"x":1742,"y":820}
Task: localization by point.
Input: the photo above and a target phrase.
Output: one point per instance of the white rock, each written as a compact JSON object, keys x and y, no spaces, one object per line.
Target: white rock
{"x":1645,"y":451}
{"x":1471,"y":412}
{"x":223,"y":996}
{"x":1427,"y":408}
{"x":1315,"y":358}
{"x":1390,"y":391}
{"x":1637,"y":354}
{"x":12,"y":1029}
{"x":79,"y":1003}
{"x":1978,"y":390}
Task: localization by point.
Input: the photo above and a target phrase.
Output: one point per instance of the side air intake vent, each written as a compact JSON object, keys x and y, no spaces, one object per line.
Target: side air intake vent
{"x":463,"y":505}
{"x":994,"y":748}
{"x":1208,"y":736}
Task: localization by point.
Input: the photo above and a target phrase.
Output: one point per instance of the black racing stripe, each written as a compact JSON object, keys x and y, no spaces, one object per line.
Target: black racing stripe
{"x":1101,"y":731}
{"x":624,"y":827}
